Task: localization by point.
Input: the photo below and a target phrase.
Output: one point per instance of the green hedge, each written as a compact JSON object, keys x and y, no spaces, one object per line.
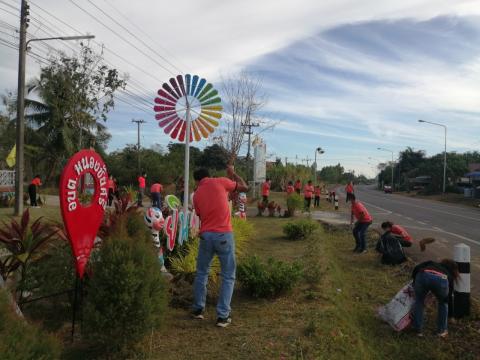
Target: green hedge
{"x":299,"y":229}
{"x":126,"y":296}
{"x":21,"y":341}
{"x":268,"y":279}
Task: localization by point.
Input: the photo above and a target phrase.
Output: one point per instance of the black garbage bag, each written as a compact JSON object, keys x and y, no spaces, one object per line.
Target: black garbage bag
{"x":390,"y":246}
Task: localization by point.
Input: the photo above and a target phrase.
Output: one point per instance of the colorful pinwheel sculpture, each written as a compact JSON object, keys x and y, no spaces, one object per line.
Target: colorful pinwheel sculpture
{"x":188,"y":97}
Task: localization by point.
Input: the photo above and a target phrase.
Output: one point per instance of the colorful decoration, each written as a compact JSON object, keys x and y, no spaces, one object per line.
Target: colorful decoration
{"x":171,"y":225}
{"x":242,"y":206}
{"x":82,"y":222}
{"x":188,"y":96}
{"x":172,"y":202}
{"x":154,"y":221}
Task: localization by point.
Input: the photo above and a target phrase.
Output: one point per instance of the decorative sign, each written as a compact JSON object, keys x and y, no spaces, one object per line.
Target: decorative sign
{"x":82,"y":221}
{"x":260,"y":164}
{"x":188,"y":96}
{"x":171,"y":225}
{"x":242,"y":206}
{"x":172,"y":202}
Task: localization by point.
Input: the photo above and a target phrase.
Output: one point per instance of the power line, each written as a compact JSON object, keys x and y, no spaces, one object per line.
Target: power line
{"x":122,"y":38}
{"x":135,"y":36}
{"x":126,"y":18}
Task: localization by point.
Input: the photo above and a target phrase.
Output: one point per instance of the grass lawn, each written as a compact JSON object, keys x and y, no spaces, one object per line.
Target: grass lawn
{"x":50,"y":212}
{"x":330,"y":316}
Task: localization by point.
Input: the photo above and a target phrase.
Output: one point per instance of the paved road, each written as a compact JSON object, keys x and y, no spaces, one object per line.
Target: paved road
{"x":448,"y":224}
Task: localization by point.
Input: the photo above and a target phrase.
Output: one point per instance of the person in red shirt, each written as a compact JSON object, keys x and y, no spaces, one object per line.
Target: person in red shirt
{"x":32,"y":190}
{"x":266,"y":190}
{"x":216,"y":238}
{"x":363,"y":221}
{"x":111,"y":189}
{"x":349,"y":190}
{"x":155,"y":193}
{"x":298,"y":186}
{"x":318,"y":192}
{"x":290,"y":189}
{"x":406,"y":239}
{"x":308,"y":191}
{"x":142,"y":182}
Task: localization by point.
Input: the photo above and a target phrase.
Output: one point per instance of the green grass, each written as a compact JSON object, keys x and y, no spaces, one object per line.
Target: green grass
{"x":330,"y":316}
{"x":47,"y":211}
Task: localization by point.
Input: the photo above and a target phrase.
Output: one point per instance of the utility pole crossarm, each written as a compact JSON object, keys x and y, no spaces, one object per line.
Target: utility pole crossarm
{"x":138,"y":122}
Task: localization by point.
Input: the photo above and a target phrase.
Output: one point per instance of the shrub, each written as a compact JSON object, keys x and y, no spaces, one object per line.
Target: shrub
{"x":294,"y":202}
{"x":300,"y":229}
{"x":268,"y":279}
{"x":185,"y":262}
{"x":21,"y":341}
{"x":126,"y":296}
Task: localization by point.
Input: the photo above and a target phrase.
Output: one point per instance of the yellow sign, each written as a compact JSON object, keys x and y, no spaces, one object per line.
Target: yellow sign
{"x":11,"y":157}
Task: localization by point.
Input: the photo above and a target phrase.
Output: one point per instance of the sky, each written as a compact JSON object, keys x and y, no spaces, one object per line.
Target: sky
{"x":348,"y":76}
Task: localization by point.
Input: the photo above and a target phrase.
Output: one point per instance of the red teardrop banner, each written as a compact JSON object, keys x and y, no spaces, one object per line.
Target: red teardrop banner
{"x":83,"y":221}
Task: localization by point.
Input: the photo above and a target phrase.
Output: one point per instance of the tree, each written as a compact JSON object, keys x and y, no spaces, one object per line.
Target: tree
{"x":243,"y":99}
{"x":214,"y":157}
{"x":75,"y":92}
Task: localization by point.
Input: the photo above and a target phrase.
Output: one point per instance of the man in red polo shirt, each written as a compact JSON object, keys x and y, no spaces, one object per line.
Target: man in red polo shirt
{"x":308,"y":194}
{"x":298,"y":186}
{"x":266,"y":190}
{"x":216,"y":238}
{"x":406,"y":239}
{"x":349,"y":190}
{"x":155,"y":191}
{"x":364,"y":220}
{"x":141,"y":187}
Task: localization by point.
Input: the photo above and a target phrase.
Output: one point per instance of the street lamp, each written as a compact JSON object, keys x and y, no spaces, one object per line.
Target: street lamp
{"x":20,"y":123}
{"x":444,"y":152}
{"x":390,"y":151}
{"x":320,"y":151}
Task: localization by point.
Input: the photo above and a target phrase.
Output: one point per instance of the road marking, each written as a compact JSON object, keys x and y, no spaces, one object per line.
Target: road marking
{"x":421,"y":222}
{"x":408,"y":218}
{"x":437,"y":228}
{"x":459,"y":236}
{"x":427,"y":208}
{"x":378,"y":207}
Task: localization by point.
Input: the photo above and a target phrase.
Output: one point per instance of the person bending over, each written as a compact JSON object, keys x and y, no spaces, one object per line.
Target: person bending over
{"x":363,"y":221}
{"x":216,"y":238}
{"x":437,"y":278}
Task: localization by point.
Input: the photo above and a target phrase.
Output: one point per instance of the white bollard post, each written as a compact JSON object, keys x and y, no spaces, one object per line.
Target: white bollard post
{"x":336,"y":201}
{"x":461,"y":299}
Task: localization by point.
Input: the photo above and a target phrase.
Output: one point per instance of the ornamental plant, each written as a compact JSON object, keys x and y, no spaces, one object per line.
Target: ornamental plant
{"x":299,"y":229}
{"x":294,"y":202}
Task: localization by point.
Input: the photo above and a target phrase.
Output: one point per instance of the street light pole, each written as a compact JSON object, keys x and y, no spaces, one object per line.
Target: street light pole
{"x":20,"y":123}
{"x":444,"y":152}
{"x":320,"y":151}
{"x":390,"y":151}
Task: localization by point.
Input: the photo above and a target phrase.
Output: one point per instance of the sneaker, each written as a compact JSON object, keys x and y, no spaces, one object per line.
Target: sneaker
{"x":443,"y":334}
{"x":356,"y":250}
{"x":420,"y":334}
{"x":224,"y":322}
{"x":198,"y":314}
{"x":363,"y":251}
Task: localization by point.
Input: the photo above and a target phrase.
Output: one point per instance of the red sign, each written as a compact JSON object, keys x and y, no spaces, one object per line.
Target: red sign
{"x":82,"y":221}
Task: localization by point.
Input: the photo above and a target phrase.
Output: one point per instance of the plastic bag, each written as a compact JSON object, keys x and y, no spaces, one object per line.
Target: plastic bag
{"x":397,"y":312}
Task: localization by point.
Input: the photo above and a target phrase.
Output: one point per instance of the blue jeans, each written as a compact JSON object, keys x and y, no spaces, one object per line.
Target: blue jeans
{"x":359,"y":233}
{"x":223,"y":245}
{"x":156,"y":200}
{"x":424,"y":283}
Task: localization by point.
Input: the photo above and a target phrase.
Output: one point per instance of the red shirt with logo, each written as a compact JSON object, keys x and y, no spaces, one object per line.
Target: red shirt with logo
{"x":156,"y":188}
{"x":298,"y":185}
{"x":308,"y":191}
{"x":349,"y":189}
{"x":361,"y":213}
{"x":398,"y":230}
{"x":36,"y":181}
{"x":211,"y":204}
{"x":141,"y":182}
{"x":265,"y":189}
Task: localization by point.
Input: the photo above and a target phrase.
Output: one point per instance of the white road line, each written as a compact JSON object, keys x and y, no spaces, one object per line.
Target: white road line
{"x":420,"y":222}
{"x":408,"y":218}
{"x":431,"y":208}
{"x":378,"y":207}
{"x":437,"y":228}
{"x":460,"y":237}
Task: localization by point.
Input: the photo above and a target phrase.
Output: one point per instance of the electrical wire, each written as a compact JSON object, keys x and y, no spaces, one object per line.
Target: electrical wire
{"x":122,"y":38}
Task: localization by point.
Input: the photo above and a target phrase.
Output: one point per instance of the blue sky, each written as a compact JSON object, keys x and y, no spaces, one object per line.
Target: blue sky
{"x":348,"y":76}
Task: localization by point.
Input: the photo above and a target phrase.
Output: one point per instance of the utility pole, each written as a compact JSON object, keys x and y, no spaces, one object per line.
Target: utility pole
{"x":307,"y":160}
{"x":138,"y":122}
{"x":20,"y":124}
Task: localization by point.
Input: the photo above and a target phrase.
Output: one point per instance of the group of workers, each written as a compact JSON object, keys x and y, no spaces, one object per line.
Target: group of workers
{"x":428,"y":277}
